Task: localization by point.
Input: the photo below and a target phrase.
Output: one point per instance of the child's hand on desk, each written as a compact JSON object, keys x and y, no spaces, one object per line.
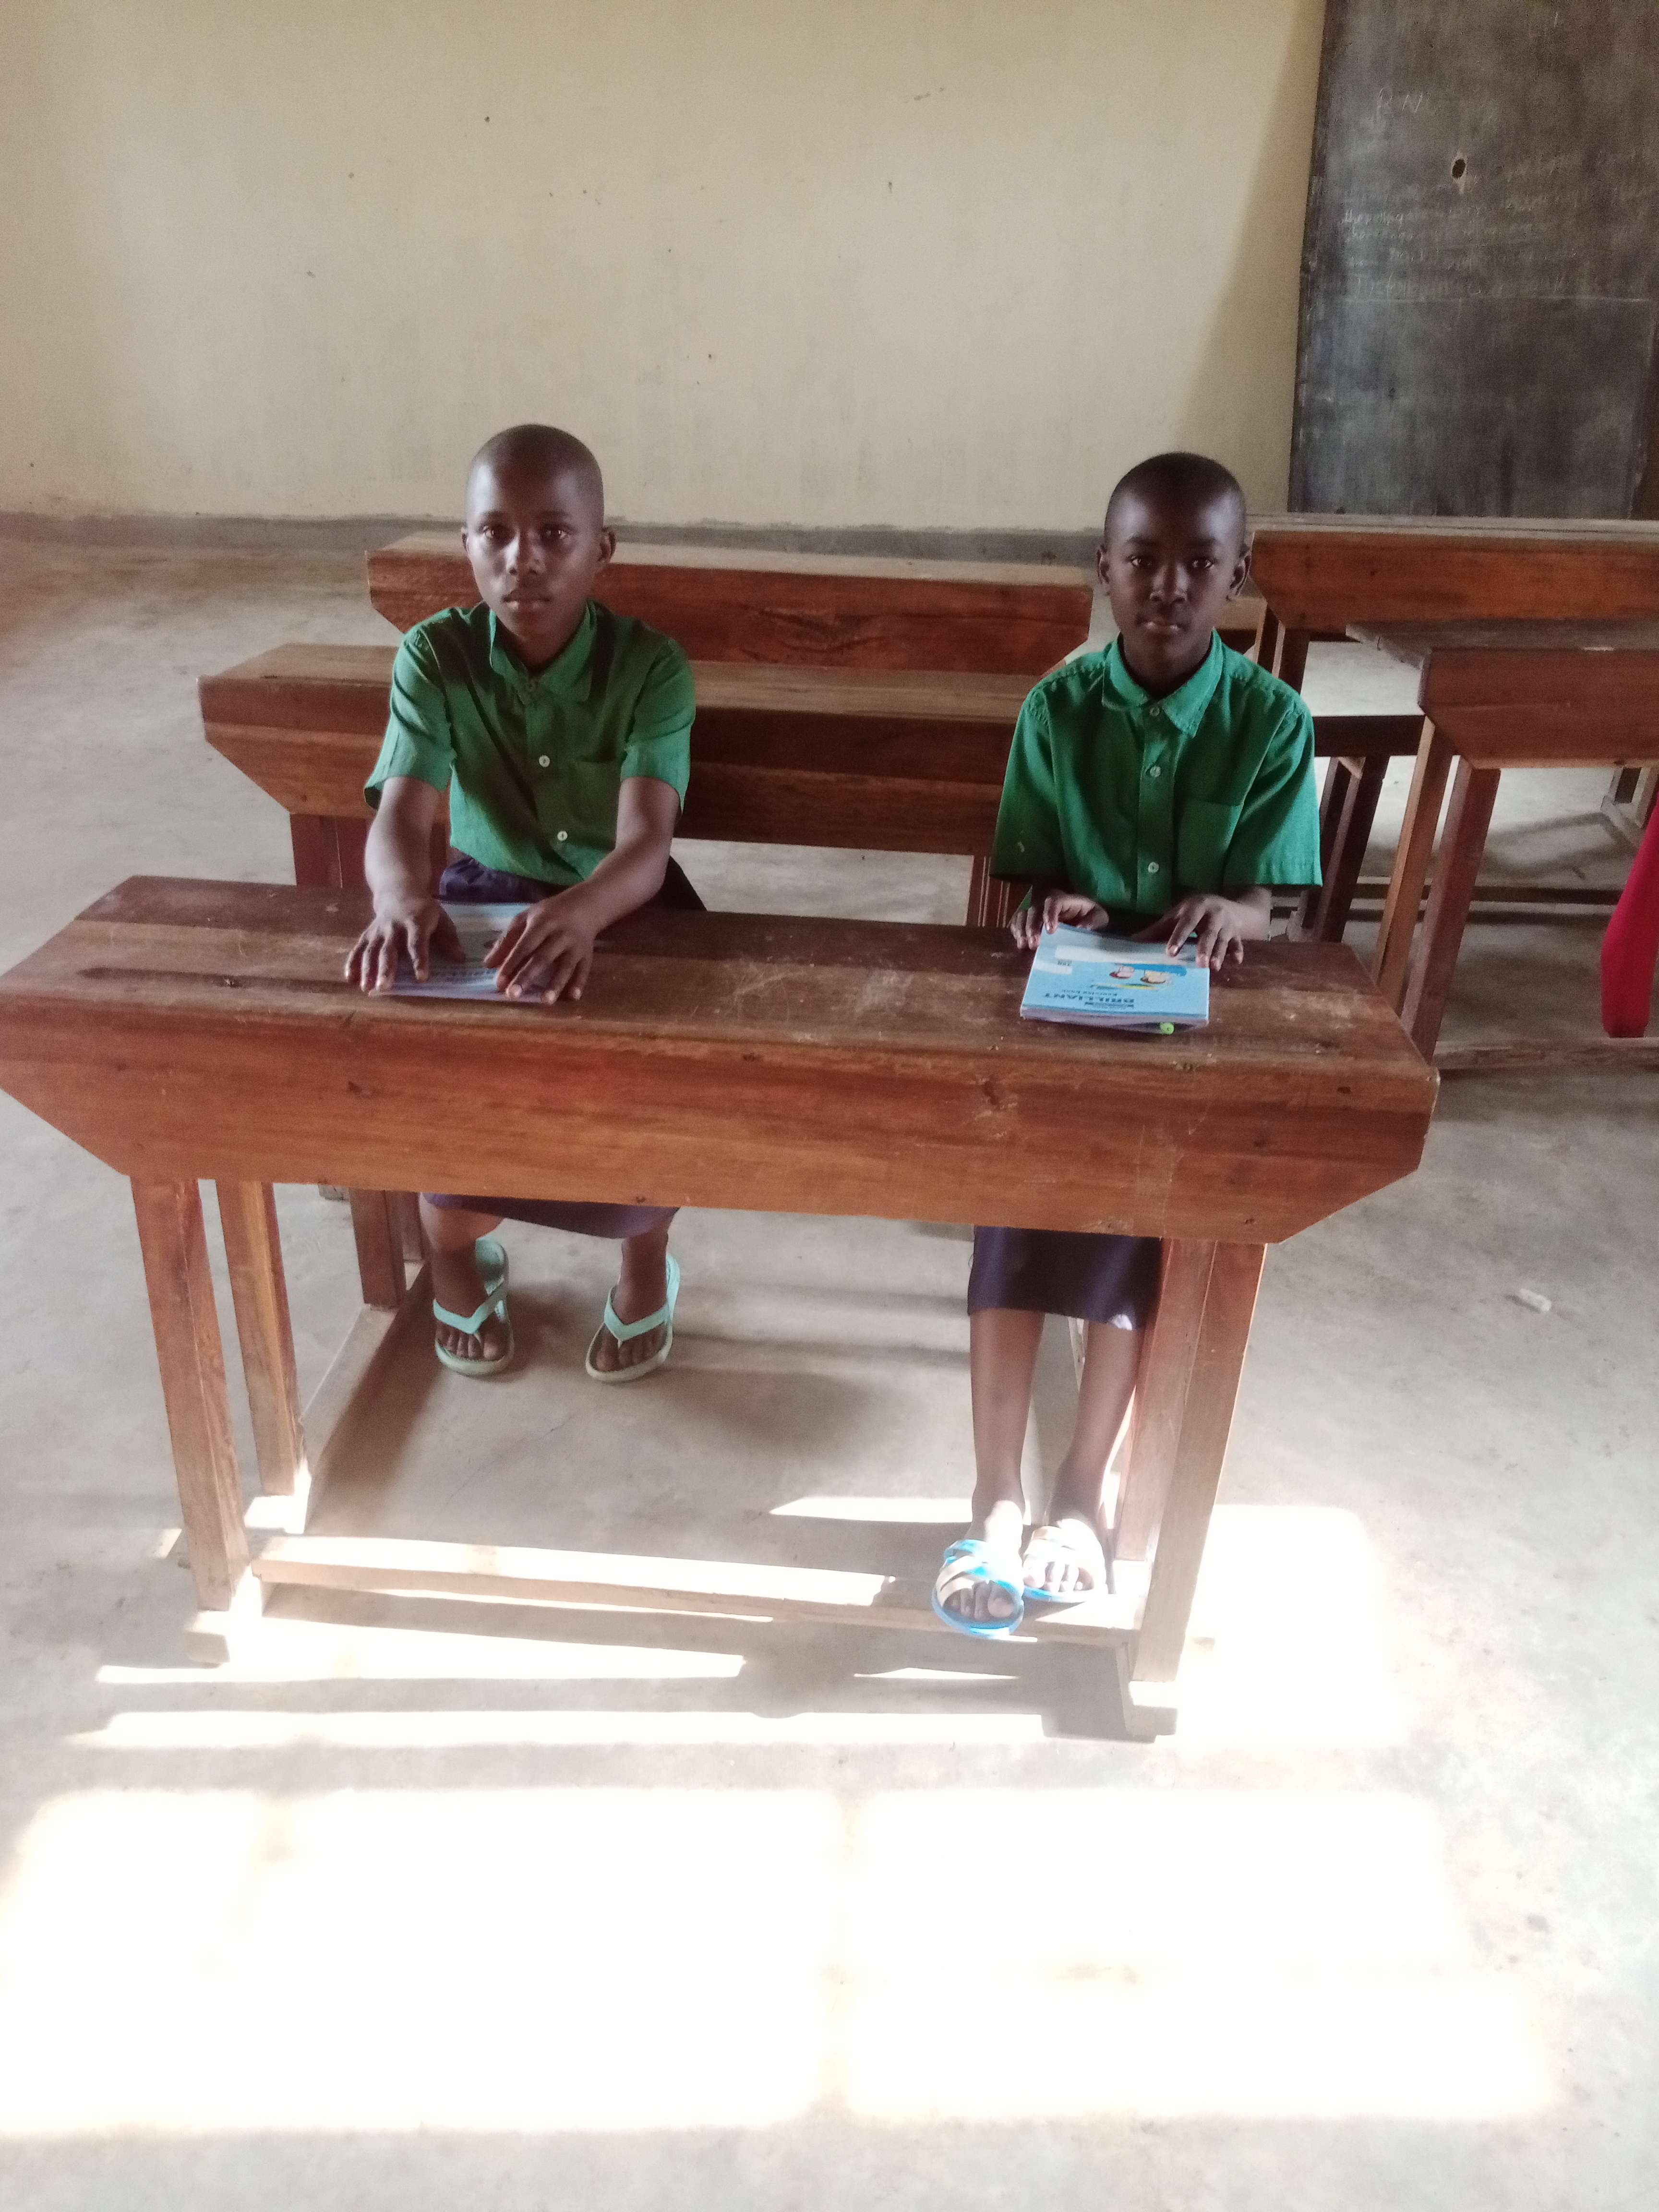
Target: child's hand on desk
{"x":1220,"y":925}
{"x":1050,"y":911}
{"x":545,"y":951}
{"x":400,"y":926}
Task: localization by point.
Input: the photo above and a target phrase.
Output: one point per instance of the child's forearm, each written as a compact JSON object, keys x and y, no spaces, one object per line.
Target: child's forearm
{"x":627,"y":877}
{"x":397,"y":855}
{"x":647,"y":810}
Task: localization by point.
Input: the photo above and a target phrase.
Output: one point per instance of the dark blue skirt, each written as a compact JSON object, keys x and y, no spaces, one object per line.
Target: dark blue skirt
{"x":469,"y":883}
{"x":1111,"y":1279}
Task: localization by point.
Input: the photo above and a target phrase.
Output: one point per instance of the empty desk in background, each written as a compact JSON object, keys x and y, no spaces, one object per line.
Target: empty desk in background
{"x":1496,"y":696}
{"x":1320,"y":575}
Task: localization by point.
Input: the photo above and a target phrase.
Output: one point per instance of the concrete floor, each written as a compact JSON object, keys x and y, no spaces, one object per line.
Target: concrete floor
{"x":432,"y":1905}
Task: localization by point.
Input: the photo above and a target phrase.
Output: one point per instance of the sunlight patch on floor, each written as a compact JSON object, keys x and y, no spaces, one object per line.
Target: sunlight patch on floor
{"x":549,"y":1960}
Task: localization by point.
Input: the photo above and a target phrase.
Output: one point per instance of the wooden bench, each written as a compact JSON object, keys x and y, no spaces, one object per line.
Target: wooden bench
{"x":187,"y":1029}
{"x":795,"y":609}
{"x":903,"y":761}
{"x":1496,"y":696}
{"x":1320,"y":574}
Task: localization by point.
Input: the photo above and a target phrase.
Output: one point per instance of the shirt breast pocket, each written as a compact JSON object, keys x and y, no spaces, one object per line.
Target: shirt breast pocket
{"x":1203,"y":838}
{"x":576,"y":804}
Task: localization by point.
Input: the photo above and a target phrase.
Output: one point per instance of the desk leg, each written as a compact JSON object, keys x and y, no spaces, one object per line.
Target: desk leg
{"x":1166,"y":1372}
{"x":1411,"y":865}
{"x":1291,"y":665}
{"x":991,"y":901}
{"x":1468,"y":820}
{"x":192,"y":1363}
{"x":377,"y":1224}
{"x":1267,"y":639}
{"x":247,"y":1213}
{"x":316,"y":844}
{"x":1233,"y":1277}
{"x":1351,"y":792}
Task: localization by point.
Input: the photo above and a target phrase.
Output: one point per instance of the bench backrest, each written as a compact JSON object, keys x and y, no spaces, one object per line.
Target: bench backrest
{"x":818,"y":610}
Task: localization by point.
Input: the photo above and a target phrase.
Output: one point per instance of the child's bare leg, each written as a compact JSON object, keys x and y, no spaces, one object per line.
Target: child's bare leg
{"x":641,"y":1287}
{"x":1002,"y":1350}
{"x":1111,"y":1364}
{"x":450,"y":1237}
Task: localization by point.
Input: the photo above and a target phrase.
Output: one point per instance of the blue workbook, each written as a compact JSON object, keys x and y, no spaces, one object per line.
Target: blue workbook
{"x":1114,"y":983}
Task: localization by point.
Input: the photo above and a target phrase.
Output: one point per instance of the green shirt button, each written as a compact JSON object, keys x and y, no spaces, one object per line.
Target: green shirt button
{"x":1151,"y":867}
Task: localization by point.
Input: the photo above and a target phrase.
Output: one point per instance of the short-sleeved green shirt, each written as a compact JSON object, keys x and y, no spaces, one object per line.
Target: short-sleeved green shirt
{"x":1138,"y":801}
{"x":534,"y":764}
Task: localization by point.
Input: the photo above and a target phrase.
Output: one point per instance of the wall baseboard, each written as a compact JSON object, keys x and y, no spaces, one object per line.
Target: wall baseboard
{"x":360,"y":533}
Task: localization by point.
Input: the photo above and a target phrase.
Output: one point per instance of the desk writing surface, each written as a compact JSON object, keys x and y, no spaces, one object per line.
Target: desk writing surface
{"x":1323,"y":572}
{"x":1515,"y":694}
{"x":183,"y":1029}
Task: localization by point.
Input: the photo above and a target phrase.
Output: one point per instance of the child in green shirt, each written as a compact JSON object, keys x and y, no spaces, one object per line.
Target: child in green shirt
{"x":559,"y":733}
{"x":1166,"y":784}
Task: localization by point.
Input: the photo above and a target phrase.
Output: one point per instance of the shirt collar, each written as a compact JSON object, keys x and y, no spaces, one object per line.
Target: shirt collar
{"x":567,"y":676}
{"x":1185,"y":705}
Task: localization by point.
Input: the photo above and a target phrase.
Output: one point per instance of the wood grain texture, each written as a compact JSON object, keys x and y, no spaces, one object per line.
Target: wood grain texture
{"x":1232,"y":1278}
{"x":1391,"y":955}
{"x":191,"y":1360}
{"x":1323,"y":573}
{"x":768,"y":1062}
{"x":1165,"y":1378}
{"x":259,"y":1288}
{"x":377,"y":1227}
{"x":1462,"y":845}
{"x":805,"y":609}
{"x":875,"y":761}
{"x":717,"y":1588}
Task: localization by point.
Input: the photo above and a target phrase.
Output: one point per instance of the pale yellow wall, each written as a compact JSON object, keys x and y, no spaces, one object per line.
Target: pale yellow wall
{"x":821,"y":262}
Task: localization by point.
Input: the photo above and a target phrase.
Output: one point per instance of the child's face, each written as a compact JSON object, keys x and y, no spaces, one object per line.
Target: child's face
{"x":537,"y":541}
{"x":1170,"y":565}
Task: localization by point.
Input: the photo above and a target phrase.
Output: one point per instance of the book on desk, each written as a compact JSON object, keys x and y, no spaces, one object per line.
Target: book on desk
{"x":1114,"y":983}
{"x":478,"y":927}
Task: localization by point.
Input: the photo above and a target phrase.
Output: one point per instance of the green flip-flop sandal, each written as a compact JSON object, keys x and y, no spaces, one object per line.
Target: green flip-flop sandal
{"x":624,"y":1331}
{"x":492,"y":1270}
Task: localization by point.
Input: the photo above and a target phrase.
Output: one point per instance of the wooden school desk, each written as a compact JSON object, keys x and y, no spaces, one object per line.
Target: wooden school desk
{"x":1496,"y":696}
{"x":1320,"y":574}
{"x":184,"y":1031}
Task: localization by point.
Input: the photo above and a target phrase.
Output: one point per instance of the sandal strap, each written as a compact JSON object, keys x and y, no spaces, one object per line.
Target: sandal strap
{"x":968,"y":1560}
{"x":1085,"y":1549}
{"x":469,"y":1324}
{"x":625,"y":1331}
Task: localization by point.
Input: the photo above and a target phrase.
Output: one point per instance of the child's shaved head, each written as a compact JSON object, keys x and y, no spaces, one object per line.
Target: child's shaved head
{"x":1191,"y":481}
{"x":537,"y":450}
{"x":535,"y":534}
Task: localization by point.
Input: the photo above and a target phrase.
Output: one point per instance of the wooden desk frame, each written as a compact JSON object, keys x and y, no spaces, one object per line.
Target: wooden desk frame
{"x":1192,"y":1365}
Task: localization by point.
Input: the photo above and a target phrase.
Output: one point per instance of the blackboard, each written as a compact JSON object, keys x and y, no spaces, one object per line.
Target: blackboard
{"x":1481,"y":265}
